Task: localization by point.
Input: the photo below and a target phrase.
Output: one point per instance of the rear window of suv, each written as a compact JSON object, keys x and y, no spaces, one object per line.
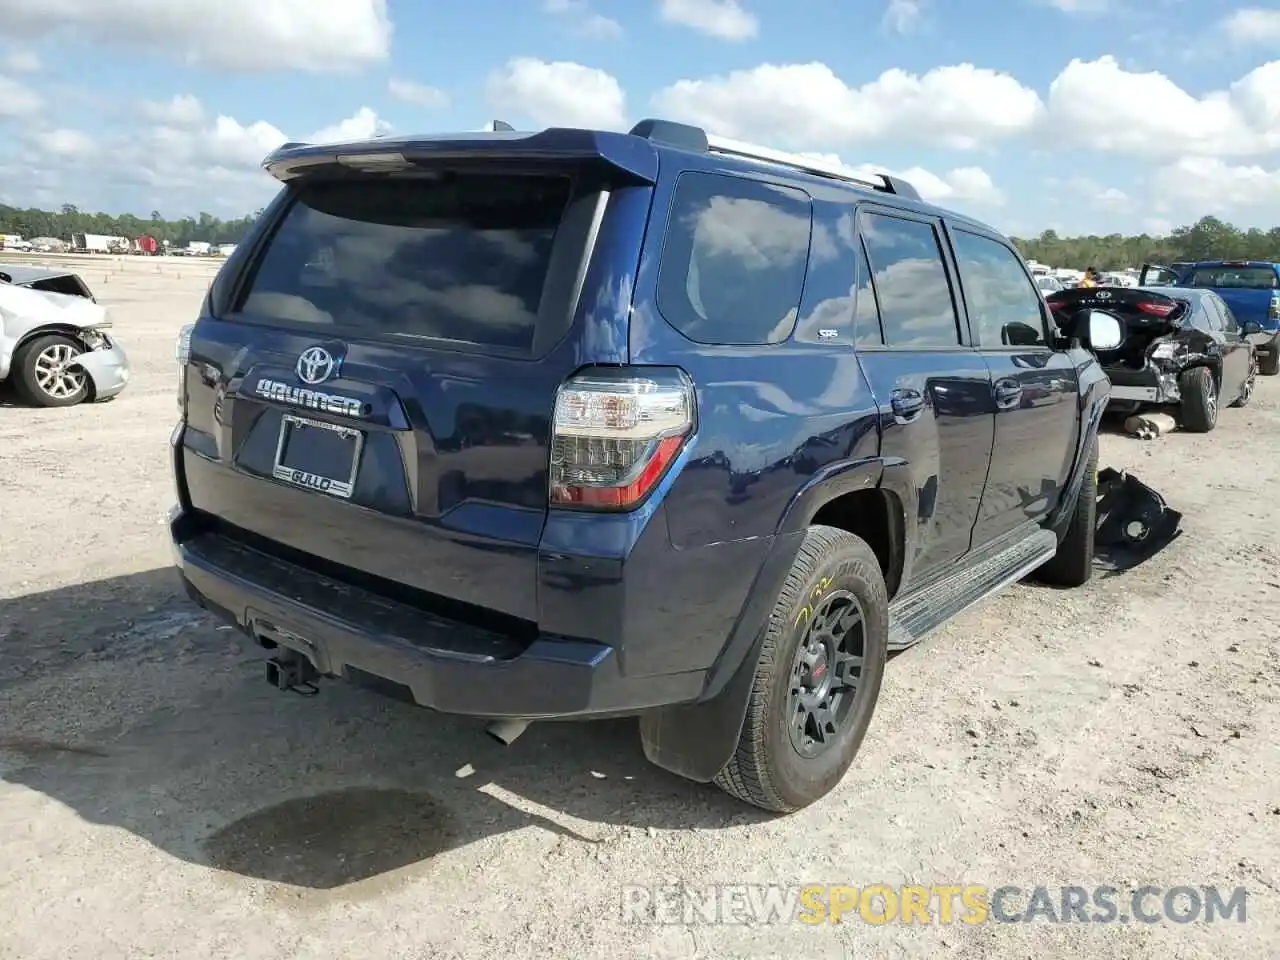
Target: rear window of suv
{"x":464,"y":258}
{"x":1239,"y":278}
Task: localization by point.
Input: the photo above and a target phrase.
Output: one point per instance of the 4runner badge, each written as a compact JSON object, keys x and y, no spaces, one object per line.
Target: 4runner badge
{"x":315,"y":365}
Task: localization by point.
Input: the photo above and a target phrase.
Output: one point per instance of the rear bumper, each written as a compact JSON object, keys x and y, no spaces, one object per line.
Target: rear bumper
{"x":1150,"y":385}
{"x":444,"y":665}
{"x":1267,"y":344}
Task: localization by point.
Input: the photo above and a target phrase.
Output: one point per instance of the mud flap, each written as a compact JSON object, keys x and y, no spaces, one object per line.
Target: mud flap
{"x":1133,"y":522}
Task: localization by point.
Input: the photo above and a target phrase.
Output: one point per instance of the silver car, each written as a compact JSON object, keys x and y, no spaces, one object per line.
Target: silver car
{"x":54,"y":345}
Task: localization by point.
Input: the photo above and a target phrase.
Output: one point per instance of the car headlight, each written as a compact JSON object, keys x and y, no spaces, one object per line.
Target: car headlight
{"x":1164,"y":351}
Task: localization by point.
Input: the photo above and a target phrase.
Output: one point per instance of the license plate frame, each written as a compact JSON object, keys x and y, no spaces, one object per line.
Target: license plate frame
{"x":340,"y":487}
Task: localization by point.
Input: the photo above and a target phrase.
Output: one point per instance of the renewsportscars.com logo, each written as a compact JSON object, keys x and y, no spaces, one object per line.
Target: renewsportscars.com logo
{"x":939,"y":904}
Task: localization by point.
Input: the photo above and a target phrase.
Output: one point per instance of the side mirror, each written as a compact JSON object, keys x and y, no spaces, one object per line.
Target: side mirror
{"x":1250,"y":327}
{"x":1097,"y":329}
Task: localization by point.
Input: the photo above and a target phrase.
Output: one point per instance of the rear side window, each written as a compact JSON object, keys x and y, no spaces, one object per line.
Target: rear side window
{"x":1228,"y":318}
{"x":734,"y":259}
{"x":463,"y":258}
{"x":1005,"y":308}
{"x":1234,"y":278}
{"x":1214,"y":314}
{"x":910,"y":280}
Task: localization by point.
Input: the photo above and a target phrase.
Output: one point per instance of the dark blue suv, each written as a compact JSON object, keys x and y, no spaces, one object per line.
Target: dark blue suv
{"x":577,"y":424}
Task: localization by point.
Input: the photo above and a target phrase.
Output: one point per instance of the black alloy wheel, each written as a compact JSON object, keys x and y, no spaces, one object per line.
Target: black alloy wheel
{"x":826,"y":673}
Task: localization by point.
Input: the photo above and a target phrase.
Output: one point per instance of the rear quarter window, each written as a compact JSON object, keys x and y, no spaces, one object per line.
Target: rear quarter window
{"x":734,"y":259}
{"x":463,"y":258}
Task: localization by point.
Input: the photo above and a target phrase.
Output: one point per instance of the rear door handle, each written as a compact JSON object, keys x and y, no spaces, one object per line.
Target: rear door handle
{"x":1008,"y":394}
{"x":907,"y":404}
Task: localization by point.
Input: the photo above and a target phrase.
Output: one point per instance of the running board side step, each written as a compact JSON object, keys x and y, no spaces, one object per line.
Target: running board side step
{"x":913,"y":616}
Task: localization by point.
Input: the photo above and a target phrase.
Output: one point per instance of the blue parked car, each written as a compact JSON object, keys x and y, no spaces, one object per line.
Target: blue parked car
{"x":1250,"y":288}
{"x":577,"y":424}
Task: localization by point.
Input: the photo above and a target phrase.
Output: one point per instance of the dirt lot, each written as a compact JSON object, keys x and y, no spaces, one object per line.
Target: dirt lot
{"x":157,"y":799}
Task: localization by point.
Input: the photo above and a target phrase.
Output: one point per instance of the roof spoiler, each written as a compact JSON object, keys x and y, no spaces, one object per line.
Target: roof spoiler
{"x":669,"y":133}
{"x":687,"y":137}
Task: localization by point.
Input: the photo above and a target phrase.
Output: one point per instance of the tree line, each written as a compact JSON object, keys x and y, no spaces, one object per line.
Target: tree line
{"x":69,"y":220}
{"x":1206,"y":239}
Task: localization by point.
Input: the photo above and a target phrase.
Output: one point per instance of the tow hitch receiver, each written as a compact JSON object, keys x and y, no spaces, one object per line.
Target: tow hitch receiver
{"x":1133,"y":522}
{"x":294,"y":673}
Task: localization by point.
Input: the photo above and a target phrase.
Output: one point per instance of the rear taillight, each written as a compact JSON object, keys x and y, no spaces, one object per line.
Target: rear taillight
{"x":615,"y":434}
{"x":1275,"y":306}
{"x":182,"y":354}
{"x":1156,"y":309}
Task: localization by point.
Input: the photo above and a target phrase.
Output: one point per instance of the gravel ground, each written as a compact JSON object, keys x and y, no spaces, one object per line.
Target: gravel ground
{"x":157,"y":799}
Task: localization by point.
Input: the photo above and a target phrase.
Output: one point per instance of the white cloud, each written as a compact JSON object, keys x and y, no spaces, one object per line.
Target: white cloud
{"x":364,"y":124}
{"x":801,"y":105}
{"x":584,"y":22}
{"x":419,"y":94}
{"x":1209,"y":185}
{"x":22,"y":61}
{"x":179,"y":160}
{"x":17,"y":100}
{"x":1080,"y":6}
{"x":1253,"y":25}
{"x":558,"y":94}
{"x":964,"y":185}
{"x":1100,"y":105}
{"x":183,"y":110}
{"x":1093,"y":193}
{"x":903,"y":16}
{"x":246,"y":35}
{"x":63,"y":142}
{"x":723,"y":19}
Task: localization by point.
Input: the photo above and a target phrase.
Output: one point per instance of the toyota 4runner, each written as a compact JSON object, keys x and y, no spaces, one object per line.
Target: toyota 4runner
{"x":576,"y":424}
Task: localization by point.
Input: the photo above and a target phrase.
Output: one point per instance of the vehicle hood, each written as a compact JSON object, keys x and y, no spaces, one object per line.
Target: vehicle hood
{"x":23,"y":309}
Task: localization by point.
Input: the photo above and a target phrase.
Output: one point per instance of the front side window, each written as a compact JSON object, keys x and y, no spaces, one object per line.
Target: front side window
{"x":1005,"y":308}
{"x":734,"y":259}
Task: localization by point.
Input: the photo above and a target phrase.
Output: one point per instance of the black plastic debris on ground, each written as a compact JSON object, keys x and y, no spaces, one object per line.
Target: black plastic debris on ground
{"x":1133,"y":522}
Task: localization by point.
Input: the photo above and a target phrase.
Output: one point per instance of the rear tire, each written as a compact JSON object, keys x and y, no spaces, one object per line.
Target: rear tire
{"x":817,"y":678}
{"x":1199,"y":400}
{"x":42,"y":377}
{"x":1072,"y":565}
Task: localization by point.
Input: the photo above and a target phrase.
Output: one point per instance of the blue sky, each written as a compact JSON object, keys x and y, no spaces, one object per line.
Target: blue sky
{"x":1077,"y":115}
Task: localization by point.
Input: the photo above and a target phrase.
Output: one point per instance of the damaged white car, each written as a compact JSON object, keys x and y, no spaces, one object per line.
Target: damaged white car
{"x":54,"y":346}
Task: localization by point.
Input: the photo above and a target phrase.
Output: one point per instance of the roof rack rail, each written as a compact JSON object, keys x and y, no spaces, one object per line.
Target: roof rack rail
{"x":693,"y":138}
{"x":813,"y":165}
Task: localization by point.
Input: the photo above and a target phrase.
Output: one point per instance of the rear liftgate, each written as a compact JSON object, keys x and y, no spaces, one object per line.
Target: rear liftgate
{"x":1133,"y":522}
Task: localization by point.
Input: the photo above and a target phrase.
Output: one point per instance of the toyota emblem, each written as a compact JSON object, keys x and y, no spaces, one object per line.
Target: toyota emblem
{"x":315,"y":365}
{"x":1104,"y":295}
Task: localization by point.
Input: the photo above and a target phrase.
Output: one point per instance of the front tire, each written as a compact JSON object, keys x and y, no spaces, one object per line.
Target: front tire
{"x":1072,"y":565}
{"x":1199,"y":400}
{"x":45,"y":376}
{"x":818,"y":676}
